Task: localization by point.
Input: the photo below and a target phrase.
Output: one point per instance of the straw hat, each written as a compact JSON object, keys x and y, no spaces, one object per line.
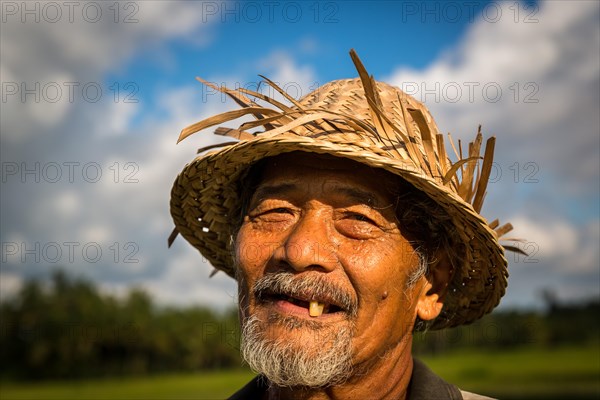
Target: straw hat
{"x":366,"y":121}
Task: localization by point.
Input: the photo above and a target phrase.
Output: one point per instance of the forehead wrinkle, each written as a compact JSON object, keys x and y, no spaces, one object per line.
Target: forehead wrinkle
{"x":341,"y":180}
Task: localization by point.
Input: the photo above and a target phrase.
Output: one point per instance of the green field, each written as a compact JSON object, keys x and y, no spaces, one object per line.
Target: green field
{"x":565,"y":373}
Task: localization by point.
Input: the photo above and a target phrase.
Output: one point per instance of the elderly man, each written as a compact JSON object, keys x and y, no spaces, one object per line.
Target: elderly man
{"x":347,"y":227}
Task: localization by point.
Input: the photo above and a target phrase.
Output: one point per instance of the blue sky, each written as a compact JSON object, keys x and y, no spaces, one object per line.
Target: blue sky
{"x":528,"y":72}
{"x":387,"y":33}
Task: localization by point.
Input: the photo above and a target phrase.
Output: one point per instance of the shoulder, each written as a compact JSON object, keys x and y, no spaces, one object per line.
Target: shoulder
{"x":425,"y":384}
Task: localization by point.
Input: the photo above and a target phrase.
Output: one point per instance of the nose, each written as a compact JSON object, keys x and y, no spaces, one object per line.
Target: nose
{"x":309,"y":245}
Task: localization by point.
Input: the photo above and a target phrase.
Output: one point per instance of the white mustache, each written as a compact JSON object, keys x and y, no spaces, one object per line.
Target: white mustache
{"x":289,"y":284}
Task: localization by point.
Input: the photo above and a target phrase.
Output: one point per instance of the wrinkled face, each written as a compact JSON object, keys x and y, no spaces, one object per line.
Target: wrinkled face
{"x":323,"y":268}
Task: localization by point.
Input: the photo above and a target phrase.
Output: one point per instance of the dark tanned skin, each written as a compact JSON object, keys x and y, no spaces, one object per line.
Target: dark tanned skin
{"x":334,"y":217}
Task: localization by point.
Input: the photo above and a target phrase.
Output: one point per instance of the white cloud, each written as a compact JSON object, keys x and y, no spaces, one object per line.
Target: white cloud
{"x":556,"y":62}
{"x":280,"y":67}
{"x":10,"y":284}
{"x":559,"y":129}
{"x":557,"y":246}
{"x":184,"y":277}
{"x":587,"y":258}
{"x":77,"y":50}
{"x":96,"y":234}
{"x":121,"y":116}
{"x":112,"y":211}
{"x":68,"y":204}
{"x":68,"y":55}
{"x":553,"y":61}
{"x":185,"y":280}
{"x":549,"y":238}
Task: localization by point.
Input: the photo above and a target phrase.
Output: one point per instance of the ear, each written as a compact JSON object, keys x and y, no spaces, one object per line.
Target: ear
{"x":435,"y":287}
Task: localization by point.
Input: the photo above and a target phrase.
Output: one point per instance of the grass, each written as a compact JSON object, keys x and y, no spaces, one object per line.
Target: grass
{"x":190,"y":386}
{"x":528,"y":374}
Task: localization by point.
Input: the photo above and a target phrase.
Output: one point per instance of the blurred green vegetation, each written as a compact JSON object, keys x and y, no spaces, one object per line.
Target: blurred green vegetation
{"x":564,"y":372}
{"x":523,"y":373}
{"x":72,"y":331}
{"x":67,"y":340}
{"x":186,"y":386}
{"x":562,"y":324}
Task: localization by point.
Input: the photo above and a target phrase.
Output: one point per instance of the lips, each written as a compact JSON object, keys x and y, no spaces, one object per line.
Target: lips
{"x":304,"y":295}
{"x":316,"y":305}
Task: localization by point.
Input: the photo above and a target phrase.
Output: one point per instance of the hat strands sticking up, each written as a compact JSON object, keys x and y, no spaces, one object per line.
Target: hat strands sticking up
{"x":371,"y":123}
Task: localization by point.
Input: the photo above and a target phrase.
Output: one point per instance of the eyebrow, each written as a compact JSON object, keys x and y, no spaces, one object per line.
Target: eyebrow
{"x":354,"y":194}
{"x":273,"y":190}
{"x":360,"y":196}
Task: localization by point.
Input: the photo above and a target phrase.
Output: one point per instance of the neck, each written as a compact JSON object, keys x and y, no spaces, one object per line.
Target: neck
{"x":389,"y":375}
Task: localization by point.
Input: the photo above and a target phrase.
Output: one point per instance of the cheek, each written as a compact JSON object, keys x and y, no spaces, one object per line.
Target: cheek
{"x":252,"y":253}
{"x":246,"y":263}
{"x":378,"y":267}
{"x":379,"y":275}
{"x":252,"y":249}
{"x":243,"y":297}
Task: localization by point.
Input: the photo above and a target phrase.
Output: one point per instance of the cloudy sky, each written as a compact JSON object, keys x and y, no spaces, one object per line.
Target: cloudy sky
{"x":94,"y":95}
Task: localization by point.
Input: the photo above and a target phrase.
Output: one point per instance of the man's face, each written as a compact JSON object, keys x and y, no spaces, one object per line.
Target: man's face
{"x":323,"y":229}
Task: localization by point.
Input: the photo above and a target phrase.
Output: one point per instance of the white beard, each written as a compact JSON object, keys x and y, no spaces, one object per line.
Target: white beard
{"x":323,"y":360}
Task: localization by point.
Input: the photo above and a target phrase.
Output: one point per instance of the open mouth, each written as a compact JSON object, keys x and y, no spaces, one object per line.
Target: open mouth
{"x":315,"y":307}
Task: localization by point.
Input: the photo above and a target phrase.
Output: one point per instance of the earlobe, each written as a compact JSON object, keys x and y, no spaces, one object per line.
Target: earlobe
{"x":431,"y":299}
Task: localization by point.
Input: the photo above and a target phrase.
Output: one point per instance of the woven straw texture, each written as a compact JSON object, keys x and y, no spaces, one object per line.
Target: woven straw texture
{"x":363,"y":120}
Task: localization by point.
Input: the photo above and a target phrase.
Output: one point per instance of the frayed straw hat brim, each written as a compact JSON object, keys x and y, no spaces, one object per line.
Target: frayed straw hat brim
{"x":371,"y":123}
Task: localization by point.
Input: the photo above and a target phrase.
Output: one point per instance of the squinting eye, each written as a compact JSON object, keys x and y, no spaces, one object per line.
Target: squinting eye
{"x":360,"y":217}
{"x":274,"y":215}
{"x":356,"y":225}
{"x":280,"y":210}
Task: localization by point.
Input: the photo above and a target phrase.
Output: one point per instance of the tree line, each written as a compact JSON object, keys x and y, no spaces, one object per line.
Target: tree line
{"x":70,"y":330}
{"x":559,"y":325}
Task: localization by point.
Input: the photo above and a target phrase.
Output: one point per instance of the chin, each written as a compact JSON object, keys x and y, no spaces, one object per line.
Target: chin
{"x":292,"y":351}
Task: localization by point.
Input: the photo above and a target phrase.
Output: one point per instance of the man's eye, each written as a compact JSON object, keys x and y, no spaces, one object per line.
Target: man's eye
{"x":279,"y":210}
{"x":356,"y":225}
{"x":359,"y":217}
{"x":275,"y":214}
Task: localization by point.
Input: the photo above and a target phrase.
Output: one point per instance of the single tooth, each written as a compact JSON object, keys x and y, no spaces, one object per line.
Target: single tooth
{"x":315,"y":309}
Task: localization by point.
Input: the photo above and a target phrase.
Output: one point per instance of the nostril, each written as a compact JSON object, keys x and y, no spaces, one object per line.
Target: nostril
{"x":310,"y":255}
{"x":307,"y":245}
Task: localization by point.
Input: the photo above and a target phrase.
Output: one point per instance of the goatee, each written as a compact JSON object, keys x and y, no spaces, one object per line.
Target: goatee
{"x":323,"y":358}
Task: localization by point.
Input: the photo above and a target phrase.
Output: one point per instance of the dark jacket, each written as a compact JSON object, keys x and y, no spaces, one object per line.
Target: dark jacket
{"x":424,"y":385}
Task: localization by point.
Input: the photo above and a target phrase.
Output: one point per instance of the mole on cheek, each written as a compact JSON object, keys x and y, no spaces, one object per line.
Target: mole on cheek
{"x":384,"y":295}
